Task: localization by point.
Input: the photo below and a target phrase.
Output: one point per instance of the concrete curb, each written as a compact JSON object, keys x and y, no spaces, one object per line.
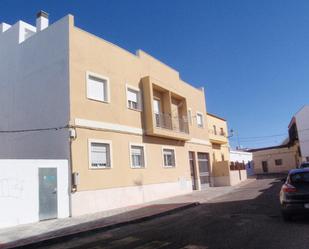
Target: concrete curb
{"x":36,"y":241}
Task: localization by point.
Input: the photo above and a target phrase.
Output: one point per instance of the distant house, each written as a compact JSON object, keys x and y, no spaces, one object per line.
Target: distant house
{"x":276,"y":159}
{"x":288,"y":155}
{"x":299,"y":133}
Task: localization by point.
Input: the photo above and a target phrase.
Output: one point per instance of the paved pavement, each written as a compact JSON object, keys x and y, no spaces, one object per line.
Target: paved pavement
{"x":27,"y":234}
{"x":246,"y":218}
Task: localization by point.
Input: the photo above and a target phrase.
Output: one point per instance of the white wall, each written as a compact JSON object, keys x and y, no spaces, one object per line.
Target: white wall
{"x":34,"y":92}
{"x":302,"y":123}
{"x":19,"y":190}
{"x":237,"y":176}
{"x":240,"y":156}
{"x":219,"y":181}
{"x":84,"y":202}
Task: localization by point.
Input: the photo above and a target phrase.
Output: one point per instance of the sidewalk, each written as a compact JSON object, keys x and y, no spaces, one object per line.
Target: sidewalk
{"x":55,"y":229}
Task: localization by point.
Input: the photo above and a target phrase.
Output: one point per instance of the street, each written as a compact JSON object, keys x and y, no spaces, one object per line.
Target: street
{"x":247,"y":218}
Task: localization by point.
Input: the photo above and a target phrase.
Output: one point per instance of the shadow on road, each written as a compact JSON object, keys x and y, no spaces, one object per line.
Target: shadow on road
{"x":247,"y":218}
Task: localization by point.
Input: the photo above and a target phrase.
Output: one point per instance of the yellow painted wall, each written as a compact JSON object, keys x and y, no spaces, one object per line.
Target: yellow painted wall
{"x":288,"y":156}
{"x":121,"y":174}
{"x":90,"y":53}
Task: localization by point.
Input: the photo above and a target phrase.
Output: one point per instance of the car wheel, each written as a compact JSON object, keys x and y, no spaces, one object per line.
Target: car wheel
{"x":286,"y":217}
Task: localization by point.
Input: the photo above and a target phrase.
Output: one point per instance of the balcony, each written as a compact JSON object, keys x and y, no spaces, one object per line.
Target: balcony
{"x":165,"y":112}
{"x":219,"y":137}
{"x":176,"y":124}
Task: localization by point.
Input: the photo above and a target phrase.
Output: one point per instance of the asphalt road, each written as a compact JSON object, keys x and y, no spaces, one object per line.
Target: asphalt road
{"x":247,"y":218}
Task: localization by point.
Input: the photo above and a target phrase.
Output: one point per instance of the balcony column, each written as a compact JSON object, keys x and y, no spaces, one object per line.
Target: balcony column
{"x":167,"y":107}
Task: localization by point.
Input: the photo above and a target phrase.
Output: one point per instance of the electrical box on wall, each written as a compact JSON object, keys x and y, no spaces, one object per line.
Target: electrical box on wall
{"x":75,"y":179}
{"x":72,"y":133}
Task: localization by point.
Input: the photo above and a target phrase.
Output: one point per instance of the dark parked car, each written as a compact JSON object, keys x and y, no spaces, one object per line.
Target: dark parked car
{"x":294,"y":194}
{"x":304,"y":165}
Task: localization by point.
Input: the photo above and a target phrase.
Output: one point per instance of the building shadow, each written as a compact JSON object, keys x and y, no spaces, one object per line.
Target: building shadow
{"x":230,"y":221}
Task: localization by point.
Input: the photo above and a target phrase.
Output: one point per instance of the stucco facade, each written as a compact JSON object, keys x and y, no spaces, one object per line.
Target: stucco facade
{"x":122,"y":126}
{"x":131,"y":129}
{"x":278,"y":159}
{"x":244,"y":157}
{"x":299,"y":133}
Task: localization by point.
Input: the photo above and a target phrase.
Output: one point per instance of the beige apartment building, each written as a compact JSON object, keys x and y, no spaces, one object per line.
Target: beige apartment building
{"x":223,"y":171}
{"x":218,"y":137}
{"x":141,"y":132}
{"x":130,"y":129}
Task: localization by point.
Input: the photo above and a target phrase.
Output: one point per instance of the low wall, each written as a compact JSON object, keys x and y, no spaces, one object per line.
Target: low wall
{"x":84,"y":202}
{"x":237,"y":176}
{"x":223,"y":176}
{"x":19,"y":190}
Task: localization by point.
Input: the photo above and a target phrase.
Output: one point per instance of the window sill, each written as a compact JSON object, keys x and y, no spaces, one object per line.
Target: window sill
{"x":100,"y":168}
{"x":132,"y":167}
{"x":101,"y":101}
{"x":137,"y":110}
{"x":169,"y":167}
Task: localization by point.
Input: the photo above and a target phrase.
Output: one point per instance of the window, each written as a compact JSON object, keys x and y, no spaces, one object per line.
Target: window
{"x":190,"y":116}
{"x":157,"y":112}
{"x":278,"y":162}
{"x":100,"y":154}
{"x":222,"y":132}
{"x":222,"y":157}
{"x":307,"y":158}
{"x":199,"y":120}
{"x":215,"y":129}
{"x":97,"y":87}
{"x":133,"y":98}
{"x":169,"y":157}
{"x":137,"y":156}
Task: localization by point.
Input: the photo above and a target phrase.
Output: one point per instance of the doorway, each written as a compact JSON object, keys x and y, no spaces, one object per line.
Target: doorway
{"x":203,"y":164}
{"x":265,"y":166}
{"x":48,"y":200}
{"x":192,"y":169}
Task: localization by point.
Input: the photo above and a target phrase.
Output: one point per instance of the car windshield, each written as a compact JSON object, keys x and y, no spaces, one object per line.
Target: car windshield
{"x":304,"y":165}
{"x":302,"y":177}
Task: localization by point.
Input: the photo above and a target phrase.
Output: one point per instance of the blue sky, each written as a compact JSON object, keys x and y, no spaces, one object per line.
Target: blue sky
{"x":252,"y":57}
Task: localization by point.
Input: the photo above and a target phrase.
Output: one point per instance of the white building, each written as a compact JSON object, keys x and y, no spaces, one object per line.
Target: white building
{"x":33,"y":76}
{"x":299,"y":133}
{"x":243,"y":157}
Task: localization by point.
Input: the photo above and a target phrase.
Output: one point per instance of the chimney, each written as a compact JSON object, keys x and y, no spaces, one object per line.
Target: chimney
{"x":4,"y":27}
{"x":41,"y":21}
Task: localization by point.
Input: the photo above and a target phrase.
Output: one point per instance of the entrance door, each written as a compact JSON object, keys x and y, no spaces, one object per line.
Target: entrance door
{"x":265,"y":166}
{"x":203,"y":164}
{"x":192,"y":169}
{"x":48,"y":193}
{"x":157,"y":111}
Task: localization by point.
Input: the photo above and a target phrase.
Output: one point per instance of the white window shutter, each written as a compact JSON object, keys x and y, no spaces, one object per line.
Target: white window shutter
{"x":156,"y":106}
{"x":96,"y":88}
{"x":100,"y":154}
{"x":132,"y":96}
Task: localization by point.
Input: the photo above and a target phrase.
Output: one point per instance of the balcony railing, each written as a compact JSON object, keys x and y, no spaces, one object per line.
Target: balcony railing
{"x":166,"y":121}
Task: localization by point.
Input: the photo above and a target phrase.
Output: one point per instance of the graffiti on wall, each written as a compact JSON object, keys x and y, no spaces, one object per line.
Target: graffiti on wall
{"x":11,"y":188}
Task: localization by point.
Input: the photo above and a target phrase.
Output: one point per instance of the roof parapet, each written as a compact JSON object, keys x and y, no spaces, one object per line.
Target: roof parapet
{"x":4,"y":27}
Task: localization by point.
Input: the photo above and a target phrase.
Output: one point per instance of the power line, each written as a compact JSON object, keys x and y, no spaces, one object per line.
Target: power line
{"x":36,"y":129}
{"x":246,"y":139}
